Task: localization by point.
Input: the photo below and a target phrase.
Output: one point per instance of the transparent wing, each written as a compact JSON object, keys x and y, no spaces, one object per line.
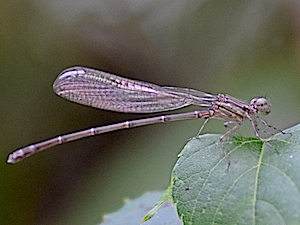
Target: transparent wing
{"x":103,"y":90}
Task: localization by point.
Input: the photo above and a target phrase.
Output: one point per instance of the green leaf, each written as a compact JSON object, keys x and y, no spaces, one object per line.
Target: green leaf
{"x":261,"y":186}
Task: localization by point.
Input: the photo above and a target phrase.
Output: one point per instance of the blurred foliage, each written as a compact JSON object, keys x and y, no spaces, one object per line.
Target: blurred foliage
{"x":134,"y":210}
{"x":244,"y":48}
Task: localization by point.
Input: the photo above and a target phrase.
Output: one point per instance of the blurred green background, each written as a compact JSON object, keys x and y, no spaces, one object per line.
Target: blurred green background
{"x":243,"y":48}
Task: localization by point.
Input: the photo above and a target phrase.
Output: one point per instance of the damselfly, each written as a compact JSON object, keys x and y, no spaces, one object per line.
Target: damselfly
{"x":104,"y":90}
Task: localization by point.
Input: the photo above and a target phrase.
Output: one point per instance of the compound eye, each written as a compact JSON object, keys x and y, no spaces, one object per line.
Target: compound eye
{"x":261,"y":104}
